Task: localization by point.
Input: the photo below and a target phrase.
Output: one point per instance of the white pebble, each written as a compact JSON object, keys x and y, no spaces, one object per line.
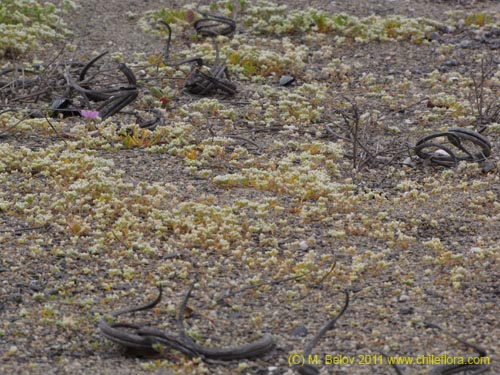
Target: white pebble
{"x":409,"y":162}
{"x":303,"y":245}
{"x":440,"y":152}
{"x":403,"y":298}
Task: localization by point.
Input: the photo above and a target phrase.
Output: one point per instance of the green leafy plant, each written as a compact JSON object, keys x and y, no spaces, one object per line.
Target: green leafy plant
{"x":137,"y":137}
{"x":478,"y":19}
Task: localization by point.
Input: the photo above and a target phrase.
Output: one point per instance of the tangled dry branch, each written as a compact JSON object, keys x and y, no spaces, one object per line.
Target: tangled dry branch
{"x":139,"y":337}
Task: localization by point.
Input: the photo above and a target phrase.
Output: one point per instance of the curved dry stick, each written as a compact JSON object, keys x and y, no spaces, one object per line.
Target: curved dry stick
{"x":123,"y":97}
{"x":328,"y":326}
{"x":169,"y":40}
{"x":222,"y":25}
{"x":458,"y":368}
{"x":91,"y":94}
{"x":8,"y":110}
{"x":106,"y":94}
{"x":180,"y":316}
{"x":123,"y":338}
{"x":153,"y":123}
{"x":147,"y":338}
{"x":117,"y":102}
{"x":197,"y":60}
{"x":446,"y":161}
{"x":254,"y":349}
{"x":454,"y":137}
{"x":475,"y":138}
{"x":309,"y":369}
{"x":83,"y":72}
{"x":129,"y":74}
{"x":115,"y":98}
{"x":198,"y":82}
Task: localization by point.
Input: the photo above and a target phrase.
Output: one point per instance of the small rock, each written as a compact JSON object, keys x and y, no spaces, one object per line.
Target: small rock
{"x":16,"y":298}
{"x":286,"y":80}
{"x":299,"y":331}
{"x":494,"y":43}
{"x":487,"y":166}
{"x":235,"y":315}
{"x":407,"y":311}
{"x":494,"y":31}
{"x":52,"y":292}
{"x":441,"y":153}
{"x":433,"y":36}
{"x":63,"y":106}
{"x":409,"y":162}
{"x":451,"y":63}
{"x":303,"y":245}
{"x":403,"y":298}
{"x":446,"y":29}
{"x":36,"y":114}
{"x":466,"y":43}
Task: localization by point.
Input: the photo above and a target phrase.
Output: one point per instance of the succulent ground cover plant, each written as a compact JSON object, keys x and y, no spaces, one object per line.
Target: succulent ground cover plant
{"x":25,"y":25}
{"x":272,"y":201}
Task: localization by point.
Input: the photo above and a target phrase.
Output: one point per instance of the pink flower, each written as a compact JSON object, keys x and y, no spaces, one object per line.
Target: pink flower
{"x":89,"y":115}
{"x":190,"y":16}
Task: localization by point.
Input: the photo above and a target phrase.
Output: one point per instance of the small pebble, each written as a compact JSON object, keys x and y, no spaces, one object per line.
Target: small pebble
{"x":299,"y":331}
{"x":286,"y":80}
{"x":494,"y":43}
{"x":409,"y":162}
{"x":440,"y":152}
{"x":403,"y":298}
{"x":466,"y":43}
{"x":487,"y":166}
{"x":407,"y":311}
{"x":303,"y":245}
{"x":433,"y":36}
{"x":446,"y":29}
{"x":13,"y":350}
{"x":451,"y":63}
